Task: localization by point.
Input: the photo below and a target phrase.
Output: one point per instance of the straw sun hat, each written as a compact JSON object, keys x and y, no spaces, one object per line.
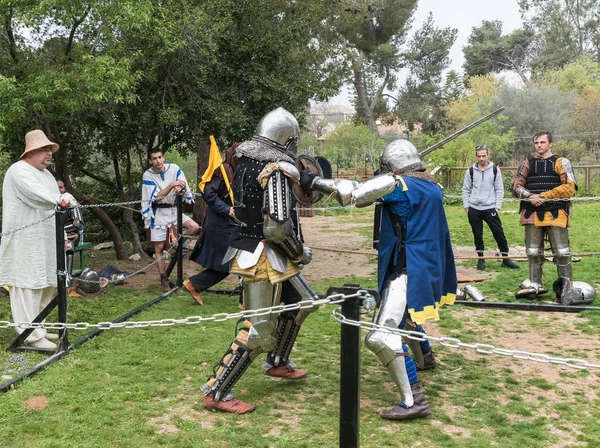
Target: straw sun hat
{"x":36,"y":140}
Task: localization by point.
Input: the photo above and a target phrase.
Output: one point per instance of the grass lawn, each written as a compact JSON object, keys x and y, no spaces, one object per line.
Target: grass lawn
{"x":140,"y":387}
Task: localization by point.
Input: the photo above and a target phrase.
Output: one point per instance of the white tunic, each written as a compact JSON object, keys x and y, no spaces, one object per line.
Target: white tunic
{"x":28,"y":257}
{"x":152,"y":183}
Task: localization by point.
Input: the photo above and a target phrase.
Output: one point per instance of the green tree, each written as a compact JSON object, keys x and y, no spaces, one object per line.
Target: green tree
{"x":488,"y":51}
{"x":534,"y":108}
{"x":575,"y":76}
{"x":454,"y":88}
{"x":565,"y":30}
{"x":495,"y":133}
{"x":370,"y":34}
{"x":420,"y":97}
{"x":351,"y":146}
{"x":109,"y":80}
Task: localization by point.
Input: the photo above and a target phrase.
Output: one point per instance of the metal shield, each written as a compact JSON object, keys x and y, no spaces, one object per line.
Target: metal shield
{"x":306,"y":162}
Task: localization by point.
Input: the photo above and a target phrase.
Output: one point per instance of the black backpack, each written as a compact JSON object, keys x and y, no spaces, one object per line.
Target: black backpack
{"x":494,"y":168}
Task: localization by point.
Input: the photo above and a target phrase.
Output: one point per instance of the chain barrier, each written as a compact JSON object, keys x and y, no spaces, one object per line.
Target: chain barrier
{"x":190,"y":320}
{"x":35,"y":223}
{"x":17,"y":362}
{"x":482,"y":349}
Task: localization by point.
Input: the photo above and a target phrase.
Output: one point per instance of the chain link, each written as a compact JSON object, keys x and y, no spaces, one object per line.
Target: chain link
{"x":484,"y":349}
{"x":191,"y":320}
{"x":17,"y":362}
{"x":28,"y":225}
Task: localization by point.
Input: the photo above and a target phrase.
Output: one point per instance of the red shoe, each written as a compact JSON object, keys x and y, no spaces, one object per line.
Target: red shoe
{"x":187,"y":285}
{"x":233,"y":406}
{"x":284,"y":372}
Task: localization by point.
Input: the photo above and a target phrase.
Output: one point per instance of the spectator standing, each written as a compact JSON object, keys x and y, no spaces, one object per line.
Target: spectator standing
{"x":482,"y":195}
{"x":28,"y":256}
{"x":160,"y":183}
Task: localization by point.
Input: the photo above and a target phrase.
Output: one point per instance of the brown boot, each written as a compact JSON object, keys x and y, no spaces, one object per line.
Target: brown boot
{"x":419,"y":409}
{"x":187,"y":285}
{"x":286,"y":373}
{"x":233,"y":406}
{"x":165,"y":284}
{"x":429,"y":362}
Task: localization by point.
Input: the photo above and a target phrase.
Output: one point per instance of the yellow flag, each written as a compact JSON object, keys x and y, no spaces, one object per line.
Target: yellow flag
{"x":214,"y":161}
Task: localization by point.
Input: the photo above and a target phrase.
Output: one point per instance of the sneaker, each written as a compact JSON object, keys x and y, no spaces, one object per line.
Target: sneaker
{"x":286,"y":373}
{"x":51,"y":337}
{"x":189,"y":287}
{"x":508,"y":263}
{"x":233,"y":406}
{"x":43,"y":344}
{"x":481,"y":264}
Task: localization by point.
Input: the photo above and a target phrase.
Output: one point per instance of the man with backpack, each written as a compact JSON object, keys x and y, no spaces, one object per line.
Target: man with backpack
{"x":482,"y":195}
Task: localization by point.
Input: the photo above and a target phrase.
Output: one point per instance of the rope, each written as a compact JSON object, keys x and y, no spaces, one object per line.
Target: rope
{"x":458,"y":257}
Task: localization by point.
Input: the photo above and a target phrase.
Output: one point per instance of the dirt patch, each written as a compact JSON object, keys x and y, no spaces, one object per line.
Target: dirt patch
{"x":36,"y":403}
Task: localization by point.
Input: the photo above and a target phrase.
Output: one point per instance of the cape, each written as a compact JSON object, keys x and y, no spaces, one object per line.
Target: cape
{"x":431,"y":272}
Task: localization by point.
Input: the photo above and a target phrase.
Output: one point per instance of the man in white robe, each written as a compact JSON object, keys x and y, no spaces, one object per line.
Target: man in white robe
{"x":28,"y":256}
{"x":160,"y":184}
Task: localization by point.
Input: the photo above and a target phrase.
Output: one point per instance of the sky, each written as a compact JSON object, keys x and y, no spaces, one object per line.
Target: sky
{"x":460,"y":14}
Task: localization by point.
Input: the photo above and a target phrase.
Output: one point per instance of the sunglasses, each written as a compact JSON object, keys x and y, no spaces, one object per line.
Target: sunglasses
{"x":477,"y":148}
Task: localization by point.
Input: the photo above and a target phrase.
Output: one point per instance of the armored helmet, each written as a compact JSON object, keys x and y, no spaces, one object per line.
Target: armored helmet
{"x":89,"y":281}
{"x":399,"y":157}
{"x":279,"y":127}
{"x":588,"y":291}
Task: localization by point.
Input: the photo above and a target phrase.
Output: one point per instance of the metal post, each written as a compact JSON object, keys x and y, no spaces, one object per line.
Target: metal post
{"x":61,"y":276}
{"x":350,"y":373}
{"x":179,"y":202}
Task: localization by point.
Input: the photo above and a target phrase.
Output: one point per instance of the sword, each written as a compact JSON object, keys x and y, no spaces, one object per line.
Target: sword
{"x":459,"y":132}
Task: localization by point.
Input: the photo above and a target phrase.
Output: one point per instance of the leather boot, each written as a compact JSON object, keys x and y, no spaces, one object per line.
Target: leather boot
{"x":285,"y":373}
{"x":233,"y":406}
{"x":419,"y":409}
{"x":189,"y":287}
{"x":165,"y":284}
{"x":429,"y":362}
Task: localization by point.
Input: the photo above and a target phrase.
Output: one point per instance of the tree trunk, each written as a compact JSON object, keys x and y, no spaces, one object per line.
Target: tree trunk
{"x":113,"y":231}
{"x":361,"y":93}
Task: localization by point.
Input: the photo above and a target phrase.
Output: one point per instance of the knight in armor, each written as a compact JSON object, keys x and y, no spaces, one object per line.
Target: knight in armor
{"x":267,"y":250}
{"x":541,"y":180}
{"x":416,"y":271}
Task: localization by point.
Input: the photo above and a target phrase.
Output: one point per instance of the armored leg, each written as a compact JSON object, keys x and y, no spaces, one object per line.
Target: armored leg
{"x":388,"y":347}
{"x":534,"y":246}
{"x":559,"y":242}
{"x":421,"y":352}
{"x":69,"y":262}
{"x":288,"y":326}
{"x":254,"y":338}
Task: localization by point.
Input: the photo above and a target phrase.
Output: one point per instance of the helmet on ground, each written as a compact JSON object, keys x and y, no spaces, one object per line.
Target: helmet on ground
{"x":281,"y":128}
{"x":400,"y":157}
{"x":589,"y":293}
{"x":89,"y":281}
